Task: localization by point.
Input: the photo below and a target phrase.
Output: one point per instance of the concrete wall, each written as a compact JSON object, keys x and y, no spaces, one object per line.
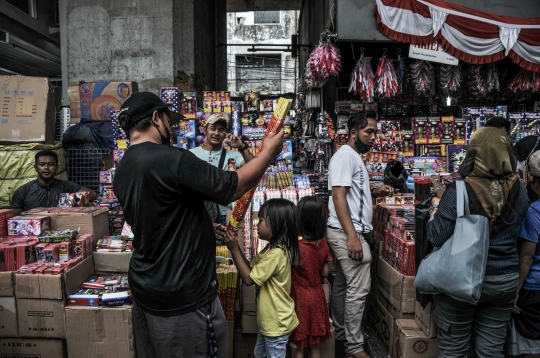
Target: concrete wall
{"x":247,"y":32}
{"x":146,"y":41}
{"x":121,"y":41}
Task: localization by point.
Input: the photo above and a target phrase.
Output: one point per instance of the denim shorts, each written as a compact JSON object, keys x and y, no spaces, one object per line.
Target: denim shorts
{"x":271,"y":347}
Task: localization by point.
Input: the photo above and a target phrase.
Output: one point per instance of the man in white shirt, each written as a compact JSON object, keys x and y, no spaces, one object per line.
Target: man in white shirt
{"x":351,"y":210}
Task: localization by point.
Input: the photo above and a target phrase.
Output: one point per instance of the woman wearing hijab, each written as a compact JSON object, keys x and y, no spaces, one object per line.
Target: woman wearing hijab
{"x":494,"y":191}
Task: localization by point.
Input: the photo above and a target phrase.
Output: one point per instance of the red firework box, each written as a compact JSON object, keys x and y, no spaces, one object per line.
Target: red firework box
{"x":82,"y":245}
{"x":5,"y":214}
{"x":400,"y":254}
{"x":435,"y":134}
{"x":51,"y":253}
{"x":447,"y":130}
{"x":408,"y":143}
{"x":16,"y":251}
{"x":421,"y":130}
{"x":40,"y":252}
{"x":460,"y":131}
{"x":65,"y":251}
{"x":28,"y":225}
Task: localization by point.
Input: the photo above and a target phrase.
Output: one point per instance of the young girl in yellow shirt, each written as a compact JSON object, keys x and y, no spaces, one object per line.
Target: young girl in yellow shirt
{"x":271,"y":270}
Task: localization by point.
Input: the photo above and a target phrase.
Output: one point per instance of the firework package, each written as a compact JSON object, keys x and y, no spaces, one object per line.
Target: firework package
{"x":54,"y":258}
{"x":276,"y":123}
{"x":114,"y":244}
{"x":106,"y":291}
{"x":28,"y":225}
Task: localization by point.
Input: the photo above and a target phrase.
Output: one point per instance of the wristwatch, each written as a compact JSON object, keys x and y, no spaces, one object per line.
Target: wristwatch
{"x":432,"y":208}
{"x":246,"y":146}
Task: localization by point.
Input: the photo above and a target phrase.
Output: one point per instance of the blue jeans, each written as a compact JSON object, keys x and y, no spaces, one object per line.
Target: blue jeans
{"x":271,"y":347}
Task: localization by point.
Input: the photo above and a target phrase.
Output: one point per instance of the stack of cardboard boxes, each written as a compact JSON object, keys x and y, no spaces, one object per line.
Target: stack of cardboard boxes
{"x":403,"y":326}
{"x":34,"y":318}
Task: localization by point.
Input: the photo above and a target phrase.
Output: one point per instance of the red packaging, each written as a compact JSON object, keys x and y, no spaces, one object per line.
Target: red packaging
{"x":58,"y":270}
{"x":421,"y":130}
{"x":39,"y":270}
{"x":51,"y":253}
{"x":435,"y":134}
{"x":65,"y":251}
{"x":5,"y":214}
{"x":48,"y":271}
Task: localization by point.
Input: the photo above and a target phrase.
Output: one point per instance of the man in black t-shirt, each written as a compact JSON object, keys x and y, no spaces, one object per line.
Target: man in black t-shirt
{"x":173,"y":272}
{"x":45,"y":191}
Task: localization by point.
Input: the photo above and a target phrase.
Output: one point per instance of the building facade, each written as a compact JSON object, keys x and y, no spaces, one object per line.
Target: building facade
{"x":270,"y":71}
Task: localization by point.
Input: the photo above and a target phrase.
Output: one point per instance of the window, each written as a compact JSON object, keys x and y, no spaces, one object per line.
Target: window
{"x":262,"y":72}
{"x":26,"y":6}
{"x":266,"y":17}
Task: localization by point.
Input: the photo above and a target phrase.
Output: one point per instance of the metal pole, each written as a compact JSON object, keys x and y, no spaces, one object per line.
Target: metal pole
{"x":64,"y":108}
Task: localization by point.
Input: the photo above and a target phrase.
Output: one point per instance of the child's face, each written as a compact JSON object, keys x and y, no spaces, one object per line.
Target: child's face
{"x":264,"y":229}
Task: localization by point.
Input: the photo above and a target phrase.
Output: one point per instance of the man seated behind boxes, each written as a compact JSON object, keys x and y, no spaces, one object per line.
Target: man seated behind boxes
{"x":45,"y":190}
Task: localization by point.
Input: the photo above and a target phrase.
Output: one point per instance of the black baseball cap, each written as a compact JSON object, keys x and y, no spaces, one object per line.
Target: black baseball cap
{"x":141,"y":105}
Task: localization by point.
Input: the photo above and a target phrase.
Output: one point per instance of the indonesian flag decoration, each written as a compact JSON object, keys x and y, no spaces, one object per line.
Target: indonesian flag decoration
{"x":470,"y":35}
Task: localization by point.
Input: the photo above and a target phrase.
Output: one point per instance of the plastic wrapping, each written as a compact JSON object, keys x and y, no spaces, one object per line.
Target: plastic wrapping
{"x":323,"y":62}
{"x":402,"y":75}
{"x":525,"y":81}
{"x":422,"y":75}
{"x":475,"y":82}
{"x":492,"y":78}
{"x":450,"y":79}
{"x":363,"y":79}
{"x":386,"y":84}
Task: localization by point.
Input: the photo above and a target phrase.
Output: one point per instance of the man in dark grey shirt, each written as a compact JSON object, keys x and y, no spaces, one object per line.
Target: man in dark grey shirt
{"x":45,"y":190}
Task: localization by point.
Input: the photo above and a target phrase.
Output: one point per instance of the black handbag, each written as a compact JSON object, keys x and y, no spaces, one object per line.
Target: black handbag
{"x":211,"y":207}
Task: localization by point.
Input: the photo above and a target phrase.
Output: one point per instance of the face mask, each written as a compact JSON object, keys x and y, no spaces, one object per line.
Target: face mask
{"x":361,"y":147}
{"x":165,"y":140}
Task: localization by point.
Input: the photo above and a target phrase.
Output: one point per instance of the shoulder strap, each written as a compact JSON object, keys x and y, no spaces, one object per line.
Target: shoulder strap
{"x":362,"y":195}
{"x":462,"y":206}
{"x":222,"y":158}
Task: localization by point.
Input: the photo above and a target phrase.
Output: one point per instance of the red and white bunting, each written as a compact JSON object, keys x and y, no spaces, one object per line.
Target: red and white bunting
{"x":470,"y":35}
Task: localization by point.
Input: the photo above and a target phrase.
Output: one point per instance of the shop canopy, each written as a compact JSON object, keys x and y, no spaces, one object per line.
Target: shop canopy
{"x":470,"y":35}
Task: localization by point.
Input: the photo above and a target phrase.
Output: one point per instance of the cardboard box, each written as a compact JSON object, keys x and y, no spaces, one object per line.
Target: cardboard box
{"x":249,"y":298}
{"x":99,"y":332}
{"x":41,"y":318}
{"x":230,"y":339}
{"x":244,"y":345}
{"x":398,"y":289}
{"x":32,"y":348}
{"x":249,"y":323}
{"x":28,"y":110}
{"x":7,"y":284}
{"x":94,"y":101}
{"x":93,"y":221}
{"x":112,"y":261}
{"x":385,"y":328}
{"x":54,"y":287}
{"x":8,"y":317}
{"x":391,"y":309}
{"x":424,"y":319}
{"x":411,"y":342}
